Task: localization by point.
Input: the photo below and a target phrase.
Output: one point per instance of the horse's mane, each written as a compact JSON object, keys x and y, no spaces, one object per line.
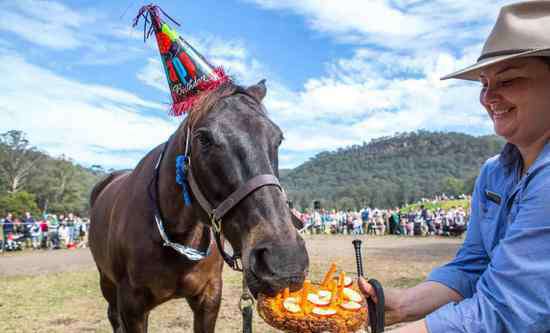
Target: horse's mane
{"x":207,"y":100}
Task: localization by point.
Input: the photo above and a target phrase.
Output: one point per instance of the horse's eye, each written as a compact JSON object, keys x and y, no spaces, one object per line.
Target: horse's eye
{"x":205,"y":140}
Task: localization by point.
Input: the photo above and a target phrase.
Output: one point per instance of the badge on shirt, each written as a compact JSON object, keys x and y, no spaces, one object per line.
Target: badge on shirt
{"x":493,"y":196}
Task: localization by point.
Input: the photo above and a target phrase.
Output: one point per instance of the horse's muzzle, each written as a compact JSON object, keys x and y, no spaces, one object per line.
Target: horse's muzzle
{"x":274,"y":266}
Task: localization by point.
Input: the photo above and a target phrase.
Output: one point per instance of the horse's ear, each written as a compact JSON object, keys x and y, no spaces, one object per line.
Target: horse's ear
{"x":258,"y":90}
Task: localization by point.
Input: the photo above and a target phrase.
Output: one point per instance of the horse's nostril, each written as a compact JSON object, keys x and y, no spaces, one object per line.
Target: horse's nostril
{"x":259,"y":261}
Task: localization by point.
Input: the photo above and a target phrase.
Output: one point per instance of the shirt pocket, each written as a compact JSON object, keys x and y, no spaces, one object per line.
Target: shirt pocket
{"x":491,"y":204}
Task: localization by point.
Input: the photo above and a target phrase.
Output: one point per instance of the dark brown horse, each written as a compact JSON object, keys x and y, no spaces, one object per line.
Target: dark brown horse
{"x":230,"y":141}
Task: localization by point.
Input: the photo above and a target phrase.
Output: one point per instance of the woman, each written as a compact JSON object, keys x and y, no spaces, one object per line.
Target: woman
{"x":500,"y":278}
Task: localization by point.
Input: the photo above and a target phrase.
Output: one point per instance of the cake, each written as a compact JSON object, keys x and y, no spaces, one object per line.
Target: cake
{"x":334,"y":305}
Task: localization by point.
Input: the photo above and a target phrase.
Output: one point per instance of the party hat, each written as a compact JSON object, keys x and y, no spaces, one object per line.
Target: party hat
{"x":187,"y":71}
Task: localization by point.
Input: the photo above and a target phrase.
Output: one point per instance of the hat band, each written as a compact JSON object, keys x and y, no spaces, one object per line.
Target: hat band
{"x":502,"y":53}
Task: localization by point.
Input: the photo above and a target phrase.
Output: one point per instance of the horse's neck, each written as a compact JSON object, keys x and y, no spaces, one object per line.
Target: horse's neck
{"x":181,"y":222}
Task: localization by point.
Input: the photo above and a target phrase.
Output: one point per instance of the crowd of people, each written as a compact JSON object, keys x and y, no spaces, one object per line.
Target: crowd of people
{"x":419,"y":222}
{"x":48,"y":232}
{"x":70,"y":231}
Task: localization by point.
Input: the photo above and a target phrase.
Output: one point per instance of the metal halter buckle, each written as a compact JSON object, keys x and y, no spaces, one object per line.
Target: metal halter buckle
{"x":216,"y":223}
{"x":246,"y":300}
{"x":238,"y":263}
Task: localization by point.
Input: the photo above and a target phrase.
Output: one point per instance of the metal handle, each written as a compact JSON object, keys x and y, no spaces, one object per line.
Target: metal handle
{"x":358,"y":256}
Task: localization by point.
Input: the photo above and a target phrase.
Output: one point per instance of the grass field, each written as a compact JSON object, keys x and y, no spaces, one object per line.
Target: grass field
{"x":70,"y":301}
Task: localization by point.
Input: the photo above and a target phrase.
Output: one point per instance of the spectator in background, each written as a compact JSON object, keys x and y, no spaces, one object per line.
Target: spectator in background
{"x":365,"y":214}
{"x":357,"y":224}
{"x":44,"y":233}
{"x":349,"y":222}
{"x":35,"y":233}
{"x":410,"y":223}
{"x":427,"y":217}
{"x":70,"y":222}
{"x":396,"y":218}
{"x":28,"y":222}
{"x":63,"y":232}
{"x":380,"y":223}
{"x":53,"y":231}
{"x":18,"y":228}
{"x":7,"y":229}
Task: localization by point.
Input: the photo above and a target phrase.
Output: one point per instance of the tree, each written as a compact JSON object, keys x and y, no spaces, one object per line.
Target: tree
{"x":18,"y":203}
{"x":453,"y":186}
{"x":61,"y":186}
{"x":17,"y":159}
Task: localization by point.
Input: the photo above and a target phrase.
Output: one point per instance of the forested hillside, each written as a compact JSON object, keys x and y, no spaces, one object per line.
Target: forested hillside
{"x":31,"y":180}
{"x":391,"y":171}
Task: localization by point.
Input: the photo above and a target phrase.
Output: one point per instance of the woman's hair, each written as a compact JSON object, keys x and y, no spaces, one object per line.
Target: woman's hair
{"x":546,"y":60}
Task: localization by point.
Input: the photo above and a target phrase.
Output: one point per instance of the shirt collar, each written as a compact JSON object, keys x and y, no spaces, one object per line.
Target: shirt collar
{"x":542,"y":159}
{"x":510,"y":156}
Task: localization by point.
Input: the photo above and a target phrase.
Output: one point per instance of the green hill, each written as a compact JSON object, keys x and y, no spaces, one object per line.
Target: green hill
{"x":391,"y":171}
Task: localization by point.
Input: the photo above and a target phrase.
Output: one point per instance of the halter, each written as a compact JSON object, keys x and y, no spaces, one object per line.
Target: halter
{"x":189,"y":252}
{"x":215,"y":214}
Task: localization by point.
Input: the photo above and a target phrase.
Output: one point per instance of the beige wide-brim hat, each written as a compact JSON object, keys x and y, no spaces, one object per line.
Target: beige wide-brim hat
{"x":521,"y":30}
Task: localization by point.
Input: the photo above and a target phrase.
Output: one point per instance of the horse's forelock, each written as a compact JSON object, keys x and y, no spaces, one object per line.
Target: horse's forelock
{"x":206,"y":102}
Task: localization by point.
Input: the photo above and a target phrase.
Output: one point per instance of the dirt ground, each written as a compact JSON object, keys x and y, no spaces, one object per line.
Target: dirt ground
{"x":44,"y":262}
{"x":57,"y":291}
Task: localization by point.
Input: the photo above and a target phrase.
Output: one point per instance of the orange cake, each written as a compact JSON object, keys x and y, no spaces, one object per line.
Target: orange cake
{"x":334,"y":305}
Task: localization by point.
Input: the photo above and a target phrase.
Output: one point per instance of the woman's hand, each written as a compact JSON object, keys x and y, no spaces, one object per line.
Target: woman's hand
{"x":392,"y":301}
{"x":411,"y":304}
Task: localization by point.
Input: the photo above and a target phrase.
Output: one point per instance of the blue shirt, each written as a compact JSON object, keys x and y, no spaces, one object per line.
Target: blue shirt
{"x":503,"y":268}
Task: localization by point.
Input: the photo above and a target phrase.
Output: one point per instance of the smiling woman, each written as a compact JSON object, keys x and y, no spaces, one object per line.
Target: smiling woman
{"x":515,"y":95}
{"x":499,"y":280}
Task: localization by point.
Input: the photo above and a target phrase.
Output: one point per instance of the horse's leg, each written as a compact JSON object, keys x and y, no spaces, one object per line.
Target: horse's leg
{"x":133,"y":309}
{"x":109,"y":293}
{"x":206,"y":306}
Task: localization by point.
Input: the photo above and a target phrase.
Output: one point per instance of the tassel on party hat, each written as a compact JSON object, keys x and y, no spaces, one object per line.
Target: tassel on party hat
{"x":187,"y":72}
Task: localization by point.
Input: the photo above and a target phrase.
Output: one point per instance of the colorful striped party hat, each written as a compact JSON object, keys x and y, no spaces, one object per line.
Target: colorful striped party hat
{"x":187,"y":71}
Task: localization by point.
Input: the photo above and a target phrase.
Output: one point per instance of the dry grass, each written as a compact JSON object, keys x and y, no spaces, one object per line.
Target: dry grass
{"x":71,"y":301}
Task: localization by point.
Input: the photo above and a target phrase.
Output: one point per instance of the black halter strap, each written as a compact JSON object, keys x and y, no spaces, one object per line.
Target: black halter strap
{"x":153,"y":189}
{"x":216,"y":213}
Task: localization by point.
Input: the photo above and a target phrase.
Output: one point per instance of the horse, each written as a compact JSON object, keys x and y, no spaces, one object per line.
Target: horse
{"x":143,"y":221}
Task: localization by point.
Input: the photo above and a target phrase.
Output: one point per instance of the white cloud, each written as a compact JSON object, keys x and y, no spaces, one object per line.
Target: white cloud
{"x":352,"y":16}
{"x":93,"y":124}
{"x":43,"y":23}
{"x":391,"y":84}
{"x":52,"y":25}
{"x":394,"y":23}
{"x":361,"y":98}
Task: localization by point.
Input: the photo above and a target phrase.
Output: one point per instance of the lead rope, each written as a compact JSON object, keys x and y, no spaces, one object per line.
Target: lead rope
{"x":246,"y":304}
{"x":375,"y":310}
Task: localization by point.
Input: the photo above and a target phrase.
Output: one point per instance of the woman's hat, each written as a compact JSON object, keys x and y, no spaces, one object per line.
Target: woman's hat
{"x":521,"y":30}
{"x":188,"y":73}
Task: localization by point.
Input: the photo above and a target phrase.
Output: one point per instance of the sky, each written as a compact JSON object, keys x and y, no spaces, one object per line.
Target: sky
{"x":80,"y":81}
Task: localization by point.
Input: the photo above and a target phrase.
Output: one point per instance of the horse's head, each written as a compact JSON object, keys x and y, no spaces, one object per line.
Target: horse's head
{"x":232,"y":141}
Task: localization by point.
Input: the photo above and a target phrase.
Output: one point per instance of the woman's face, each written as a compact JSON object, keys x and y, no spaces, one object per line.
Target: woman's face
{"x":516,"y":95}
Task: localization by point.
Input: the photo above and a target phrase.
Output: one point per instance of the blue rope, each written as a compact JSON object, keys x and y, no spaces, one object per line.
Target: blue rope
{"x":181,"y":177}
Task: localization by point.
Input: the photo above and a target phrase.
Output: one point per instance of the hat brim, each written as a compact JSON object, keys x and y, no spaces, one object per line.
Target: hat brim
{"x":472,"y":72}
